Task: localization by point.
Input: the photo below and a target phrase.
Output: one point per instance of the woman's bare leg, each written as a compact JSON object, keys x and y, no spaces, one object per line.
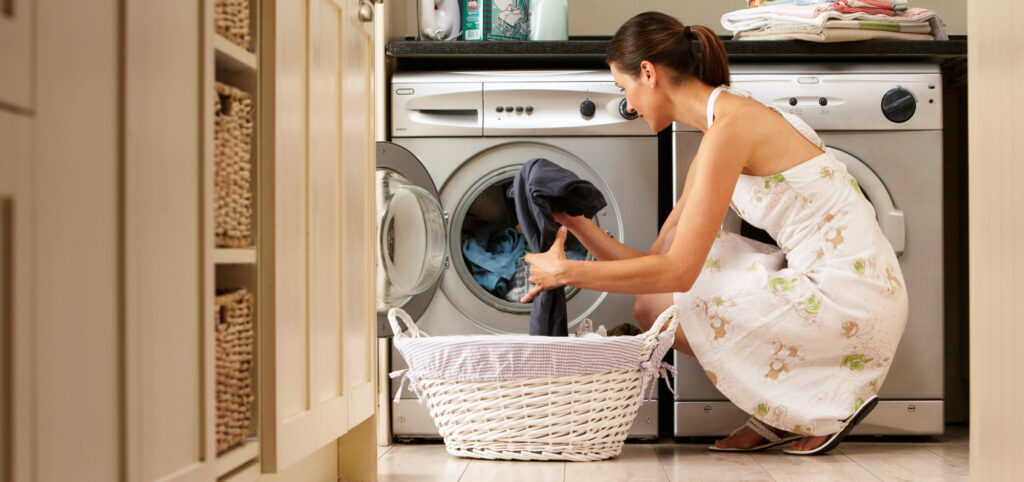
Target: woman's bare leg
{"x":647,"y":308}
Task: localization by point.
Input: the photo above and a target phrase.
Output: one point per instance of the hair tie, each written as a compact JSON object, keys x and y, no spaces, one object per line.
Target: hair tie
{"x":687,"y":33}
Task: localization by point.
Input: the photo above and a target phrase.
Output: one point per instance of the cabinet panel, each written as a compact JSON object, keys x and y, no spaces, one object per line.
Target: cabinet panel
{"x":170,"y":409}
{"x":319,"y":128}
{"x":358,"y":225}
{"x":16,"y":25}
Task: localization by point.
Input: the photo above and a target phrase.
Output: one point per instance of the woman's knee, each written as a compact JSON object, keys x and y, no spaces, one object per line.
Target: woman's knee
{"x":646,"y":309}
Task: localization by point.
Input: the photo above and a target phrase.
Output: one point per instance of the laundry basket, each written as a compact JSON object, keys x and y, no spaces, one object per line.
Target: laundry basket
{"x":519,"y":397}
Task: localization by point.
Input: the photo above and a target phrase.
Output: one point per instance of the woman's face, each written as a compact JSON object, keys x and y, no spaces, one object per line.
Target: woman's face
{"x":643,"y":96}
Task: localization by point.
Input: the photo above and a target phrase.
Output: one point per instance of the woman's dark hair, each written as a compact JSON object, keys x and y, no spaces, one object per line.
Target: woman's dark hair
{"x":660,"y":39}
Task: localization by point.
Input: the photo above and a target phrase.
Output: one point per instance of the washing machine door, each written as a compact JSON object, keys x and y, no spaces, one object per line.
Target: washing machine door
{"x":889,"y":218}
{"x":411,"y":234}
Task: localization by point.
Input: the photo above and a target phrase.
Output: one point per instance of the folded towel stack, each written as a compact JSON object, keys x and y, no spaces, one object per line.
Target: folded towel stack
{"x":833,"y":21}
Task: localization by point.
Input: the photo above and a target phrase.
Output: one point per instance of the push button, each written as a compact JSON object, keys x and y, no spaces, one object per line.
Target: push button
{"x":499,"y":109}
{"x":792,"y":101}
{"x":822,"y":101}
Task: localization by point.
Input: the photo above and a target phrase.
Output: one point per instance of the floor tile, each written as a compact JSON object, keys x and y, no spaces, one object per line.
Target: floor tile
{"x":635,"y":463}
{"x":513,"y":471}
{"x":696,"y":462}
{"x":426,"y":462}
{"x":832,"y":466}
{"x":905,"y":461}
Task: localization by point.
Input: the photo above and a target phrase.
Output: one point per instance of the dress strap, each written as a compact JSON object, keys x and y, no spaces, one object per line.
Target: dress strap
{"x":711,"y":104}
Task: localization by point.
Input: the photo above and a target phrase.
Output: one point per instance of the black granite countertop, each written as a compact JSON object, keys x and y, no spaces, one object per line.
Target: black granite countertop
{"x":590,"y":51}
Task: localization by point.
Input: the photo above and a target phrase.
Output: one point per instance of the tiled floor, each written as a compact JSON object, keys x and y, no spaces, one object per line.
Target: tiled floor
{"x":917,"y":458}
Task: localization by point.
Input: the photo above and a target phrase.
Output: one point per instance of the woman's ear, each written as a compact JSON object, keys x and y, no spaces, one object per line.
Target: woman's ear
{"x":649,"y":73}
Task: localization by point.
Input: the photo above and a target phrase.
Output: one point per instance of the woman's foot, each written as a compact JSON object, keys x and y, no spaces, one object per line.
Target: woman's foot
{"x":747,"y":438}
{"x":809,"y":443}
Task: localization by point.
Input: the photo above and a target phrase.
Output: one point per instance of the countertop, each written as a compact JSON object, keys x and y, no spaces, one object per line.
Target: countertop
{"x":590,"y":51}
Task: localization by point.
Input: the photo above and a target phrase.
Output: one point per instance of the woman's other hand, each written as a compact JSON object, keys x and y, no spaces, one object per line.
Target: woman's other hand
{"x":545,"y":268}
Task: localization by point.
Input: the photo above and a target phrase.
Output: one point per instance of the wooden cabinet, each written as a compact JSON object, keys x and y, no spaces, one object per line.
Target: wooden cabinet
{"x":16,"y":17}
{"x":316,"y":266}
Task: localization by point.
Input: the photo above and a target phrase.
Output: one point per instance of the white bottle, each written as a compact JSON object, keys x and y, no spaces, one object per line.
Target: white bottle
{"x":549,"y":20}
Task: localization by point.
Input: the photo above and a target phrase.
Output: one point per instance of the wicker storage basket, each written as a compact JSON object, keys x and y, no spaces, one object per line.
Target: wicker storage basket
{"x":234,"y":354}
{"x":232,"y":177}
{"x":576,"y":417}
{"x":231,"y":21}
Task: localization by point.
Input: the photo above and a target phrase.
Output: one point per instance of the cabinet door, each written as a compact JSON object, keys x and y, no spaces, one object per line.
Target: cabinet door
{"x":318,"y":350}
{"x":15,"y":54}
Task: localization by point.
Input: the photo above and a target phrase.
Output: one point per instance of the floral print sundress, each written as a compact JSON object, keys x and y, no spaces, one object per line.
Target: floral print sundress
{"x":802,"y":334}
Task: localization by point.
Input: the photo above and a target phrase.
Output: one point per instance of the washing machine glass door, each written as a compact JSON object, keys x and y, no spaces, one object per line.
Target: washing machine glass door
{"x":411,"y":233}
{"x":889,"y":218}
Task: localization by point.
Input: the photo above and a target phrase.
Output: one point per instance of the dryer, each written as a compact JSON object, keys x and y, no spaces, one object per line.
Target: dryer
{"x":457,"y":141}
{"x":884,"y":121}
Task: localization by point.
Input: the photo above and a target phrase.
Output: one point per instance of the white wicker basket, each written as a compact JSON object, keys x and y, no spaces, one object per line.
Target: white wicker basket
{"x":576,"y":418}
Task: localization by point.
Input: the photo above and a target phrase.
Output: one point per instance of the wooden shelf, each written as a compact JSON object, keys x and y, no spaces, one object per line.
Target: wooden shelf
{"x":231,"y":57}
{"x":238,"y":456}
{"x":234,"y":256}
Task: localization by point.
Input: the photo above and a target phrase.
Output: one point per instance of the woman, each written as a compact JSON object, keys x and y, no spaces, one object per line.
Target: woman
{"x":800,"y":336}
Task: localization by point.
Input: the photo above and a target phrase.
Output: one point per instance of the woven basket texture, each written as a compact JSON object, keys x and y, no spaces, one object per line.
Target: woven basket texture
{"x":231,"y":21}
{"x":232,"y":177}
{"x":234,"y":357}
{"x":574,"y":418}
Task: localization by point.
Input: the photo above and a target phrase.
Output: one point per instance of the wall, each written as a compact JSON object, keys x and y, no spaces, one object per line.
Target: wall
{"x":603,"y":17}
{"x":995,"y":117}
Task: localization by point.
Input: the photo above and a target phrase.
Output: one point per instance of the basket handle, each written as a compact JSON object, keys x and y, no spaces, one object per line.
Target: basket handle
{"x":394,"y":314}
{"x":650,"y":337}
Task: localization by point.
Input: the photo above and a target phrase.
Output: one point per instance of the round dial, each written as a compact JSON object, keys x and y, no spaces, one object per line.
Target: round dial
{"x":587,"y":108}
{"x":899,"y":105}
{"x":624,"y":111}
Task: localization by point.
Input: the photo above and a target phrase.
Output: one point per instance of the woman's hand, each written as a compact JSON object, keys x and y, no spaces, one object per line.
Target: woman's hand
{"x":546,"y":268}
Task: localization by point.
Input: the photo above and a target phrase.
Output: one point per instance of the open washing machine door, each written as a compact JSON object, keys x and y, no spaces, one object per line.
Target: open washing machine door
{"x":411,"y":235}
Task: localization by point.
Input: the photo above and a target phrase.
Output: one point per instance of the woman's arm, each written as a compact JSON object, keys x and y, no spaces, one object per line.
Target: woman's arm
{"x":597,"y":242}
{"x":709,"y":188}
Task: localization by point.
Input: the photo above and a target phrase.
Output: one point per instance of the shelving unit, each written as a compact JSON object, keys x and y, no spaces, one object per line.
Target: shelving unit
{"x":229,"y":268}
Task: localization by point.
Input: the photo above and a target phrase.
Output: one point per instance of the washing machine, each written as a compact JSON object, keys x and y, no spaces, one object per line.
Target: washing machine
{"x":457,"y":141}
{"x":884,"y":121}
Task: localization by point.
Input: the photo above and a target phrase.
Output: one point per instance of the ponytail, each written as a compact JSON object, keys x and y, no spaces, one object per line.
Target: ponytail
{"x":692,"y":51}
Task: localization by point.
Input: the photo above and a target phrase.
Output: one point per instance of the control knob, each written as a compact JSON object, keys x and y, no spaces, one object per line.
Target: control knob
{"x":899,"y":105}
{"x":624,"y":111}
{"x":587,"y":108}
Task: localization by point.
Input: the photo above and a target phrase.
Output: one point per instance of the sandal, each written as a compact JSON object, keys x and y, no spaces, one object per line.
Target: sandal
{"x":761,"y":429}
{"x":837,"y":437}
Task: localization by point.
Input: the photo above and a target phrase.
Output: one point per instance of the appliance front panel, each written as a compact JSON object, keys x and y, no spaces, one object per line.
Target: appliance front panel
{"x":558,"y":109}
{"x":910,"y":166}
{"x":624,"y":168}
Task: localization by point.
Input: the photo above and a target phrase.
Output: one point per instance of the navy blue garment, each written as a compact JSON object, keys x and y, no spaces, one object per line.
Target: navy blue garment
{"x":540,"y":188}
{"x":492,"y":253}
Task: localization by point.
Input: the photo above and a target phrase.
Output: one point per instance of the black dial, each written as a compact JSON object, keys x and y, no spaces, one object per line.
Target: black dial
{"x":899,"y":105}
{"x":587,"y":108}
{"x":623,"y":110}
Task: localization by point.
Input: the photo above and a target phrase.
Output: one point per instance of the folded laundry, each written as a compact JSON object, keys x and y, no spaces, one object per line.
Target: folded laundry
{"x":768,"y":3}
{"x":541,"y":188}
{"x":491,"y":254}
{"x":826,"y":35}
{"x":786,"y":17}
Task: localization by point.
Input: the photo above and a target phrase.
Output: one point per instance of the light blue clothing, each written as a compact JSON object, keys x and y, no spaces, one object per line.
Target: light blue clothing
{"x":491,"y":254}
